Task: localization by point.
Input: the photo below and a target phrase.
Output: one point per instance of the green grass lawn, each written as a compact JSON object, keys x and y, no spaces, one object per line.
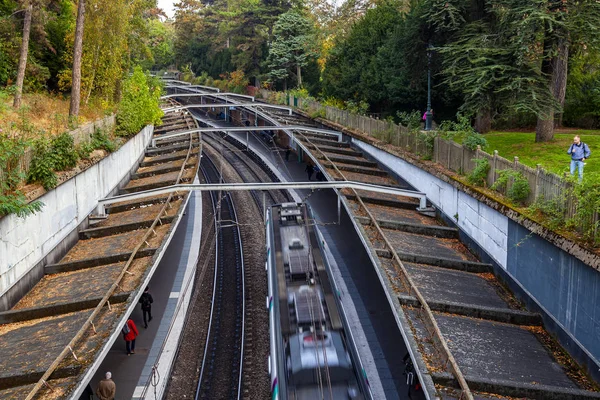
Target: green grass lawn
{"x":552,"y":155}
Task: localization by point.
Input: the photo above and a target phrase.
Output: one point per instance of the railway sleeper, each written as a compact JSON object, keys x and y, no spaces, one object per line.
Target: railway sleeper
{"x":161,"y":171}
{"x":162,"y":160}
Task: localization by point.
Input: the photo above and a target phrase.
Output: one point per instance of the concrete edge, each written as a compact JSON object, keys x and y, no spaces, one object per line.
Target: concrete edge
{"x":506,"y":315}
{"x":116,"y":229}
{"x":421,"y":229}
{"x":517,"y":389}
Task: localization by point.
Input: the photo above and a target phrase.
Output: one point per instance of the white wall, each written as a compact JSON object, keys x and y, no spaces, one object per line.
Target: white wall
{"x":26,"y":241}
{"x":486,"y":226}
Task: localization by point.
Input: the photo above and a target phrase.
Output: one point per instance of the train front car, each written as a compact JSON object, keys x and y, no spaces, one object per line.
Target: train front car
{"x":309,"y":350}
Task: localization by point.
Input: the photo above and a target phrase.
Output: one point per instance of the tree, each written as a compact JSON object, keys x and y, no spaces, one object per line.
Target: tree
{"x":77,"y":54}
{"x":293,"y":46}
{"x":23,"y":54}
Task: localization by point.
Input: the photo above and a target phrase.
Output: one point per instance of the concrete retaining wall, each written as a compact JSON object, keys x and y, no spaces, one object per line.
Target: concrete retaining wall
{"x":549,"y":280}
{"x":26,"y":244}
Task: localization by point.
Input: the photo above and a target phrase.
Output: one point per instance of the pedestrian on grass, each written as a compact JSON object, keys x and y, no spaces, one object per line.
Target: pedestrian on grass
{"x":147,"y":300}
{"x":130,"y":332}
{"x":106,"y":388}
{"x":579,"y":152}
{"x":310,"y":170}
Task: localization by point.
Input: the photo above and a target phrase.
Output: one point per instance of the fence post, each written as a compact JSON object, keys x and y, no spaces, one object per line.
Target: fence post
{"x":538,"y":171}
{"x":516,"y":164}
{"x":495,"y":166}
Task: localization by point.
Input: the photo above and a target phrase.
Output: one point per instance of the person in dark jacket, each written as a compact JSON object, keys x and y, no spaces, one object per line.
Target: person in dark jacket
{"x":130,"y":332}
{"x":579,"y":152}
{"x":147,"y":300}
{"x":310,"y":170}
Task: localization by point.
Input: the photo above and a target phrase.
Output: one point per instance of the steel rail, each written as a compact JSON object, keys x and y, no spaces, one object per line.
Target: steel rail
{"x":251,"y":129}
{"x":218,"y":94}
{"x":220,"y":105}
{"x":262,"y":186}
{"x":71,"y":345}
{"x":412,"y":286}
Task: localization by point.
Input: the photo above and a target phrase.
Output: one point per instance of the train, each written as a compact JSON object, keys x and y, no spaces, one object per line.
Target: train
{"x":311,"y":355}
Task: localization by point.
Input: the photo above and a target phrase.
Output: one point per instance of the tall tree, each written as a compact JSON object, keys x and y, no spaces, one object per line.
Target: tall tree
{"x":23,"y":54}
{"x":77,"y":54}
{"x":293,"y":46}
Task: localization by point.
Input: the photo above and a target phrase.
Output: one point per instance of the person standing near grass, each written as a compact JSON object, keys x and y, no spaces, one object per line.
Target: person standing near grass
{"x":579,"y":152}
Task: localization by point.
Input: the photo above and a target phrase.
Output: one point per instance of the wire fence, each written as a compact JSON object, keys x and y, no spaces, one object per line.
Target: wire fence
{"x":545,"y":187}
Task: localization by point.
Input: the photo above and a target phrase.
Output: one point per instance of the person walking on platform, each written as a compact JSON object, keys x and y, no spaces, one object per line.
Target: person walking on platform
{"x":287,"y":153}
{"x":146,"y":300}
{"x":130,"y":332}
{"x":310,"y":170}
{"x":106,"y":388}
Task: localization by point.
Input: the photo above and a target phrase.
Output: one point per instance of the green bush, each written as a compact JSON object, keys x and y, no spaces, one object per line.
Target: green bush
{"x":101,"y":140}
{"x":85,"y":149}
{"x":479,"y":174}
{"x":12,"y":199}
{"x":474,"y":139}
{"x":518,"y":191}
{"x":553,"y":210}
{"x":63,"y":147}
{"x":43,"y":164}
{"x":588,"y":206}
{"x":140,"y":103}
{"x":411,"y":120}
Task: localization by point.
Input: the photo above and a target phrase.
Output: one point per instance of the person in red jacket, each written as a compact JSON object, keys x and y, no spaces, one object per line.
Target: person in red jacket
{"x":130,"y":332}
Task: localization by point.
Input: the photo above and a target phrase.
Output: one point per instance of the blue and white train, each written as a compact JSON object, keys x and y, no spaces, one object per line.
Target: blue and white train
{"x":310,"y":354}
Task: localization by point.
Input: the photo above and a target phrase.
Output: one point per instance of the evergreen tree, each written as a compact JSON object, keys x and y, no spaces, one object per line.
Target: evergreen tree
{"x":293,"y":47}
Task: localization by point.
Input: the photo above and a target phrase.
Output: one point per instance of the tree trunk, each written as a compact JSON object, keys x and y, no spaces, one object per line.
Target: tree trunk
{"x":23,"y":56}
{"x":299,"y":73}
{"x":77,"y":50}
{"x":285,"y":85}
{"x":483,"y":121}
{"x":560,"y":65}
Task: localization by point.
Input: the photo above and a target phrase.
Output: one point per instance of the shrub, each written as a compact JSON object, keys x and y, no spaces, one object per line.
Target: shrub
{"x":140,"y":103}
{"x":553,"y":210}
{"x":474,"y":139}
{"x":101,"y":140}
{"x":42,"y":165}
{"x":411,"y":120}
{"x":588,"y":206}
{"x":63,"y":147}
{"x":518,"y":191}
{"x":12,"y":200}
{"x":479,"y":174}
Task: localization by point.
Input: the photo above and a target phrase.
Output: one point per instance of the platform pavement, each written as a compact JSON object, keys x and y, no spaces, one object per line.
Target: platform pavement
{"x":129,"y":371}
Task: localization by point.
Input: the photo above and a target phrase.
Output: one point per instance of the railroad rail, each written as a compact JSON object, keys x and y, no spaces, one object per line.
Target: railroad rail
{"x":221,"y":372}
{"x":468,"y":336}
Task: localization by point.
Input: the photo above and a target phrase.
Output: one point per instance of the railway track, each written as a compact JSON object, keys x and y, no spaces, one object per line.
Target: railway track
{"x":221,"y":373}
{"x":245,"y":166}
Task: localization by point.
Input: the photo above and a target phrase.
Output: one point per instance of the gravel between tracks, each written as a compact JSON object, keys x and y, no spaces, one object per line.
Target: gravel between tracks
{"x":184,"y":378}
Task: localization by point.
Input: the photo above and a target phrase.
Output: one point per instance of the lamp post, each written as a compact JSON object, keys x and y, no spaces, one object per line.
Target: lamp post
{"x":428,"y":114}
